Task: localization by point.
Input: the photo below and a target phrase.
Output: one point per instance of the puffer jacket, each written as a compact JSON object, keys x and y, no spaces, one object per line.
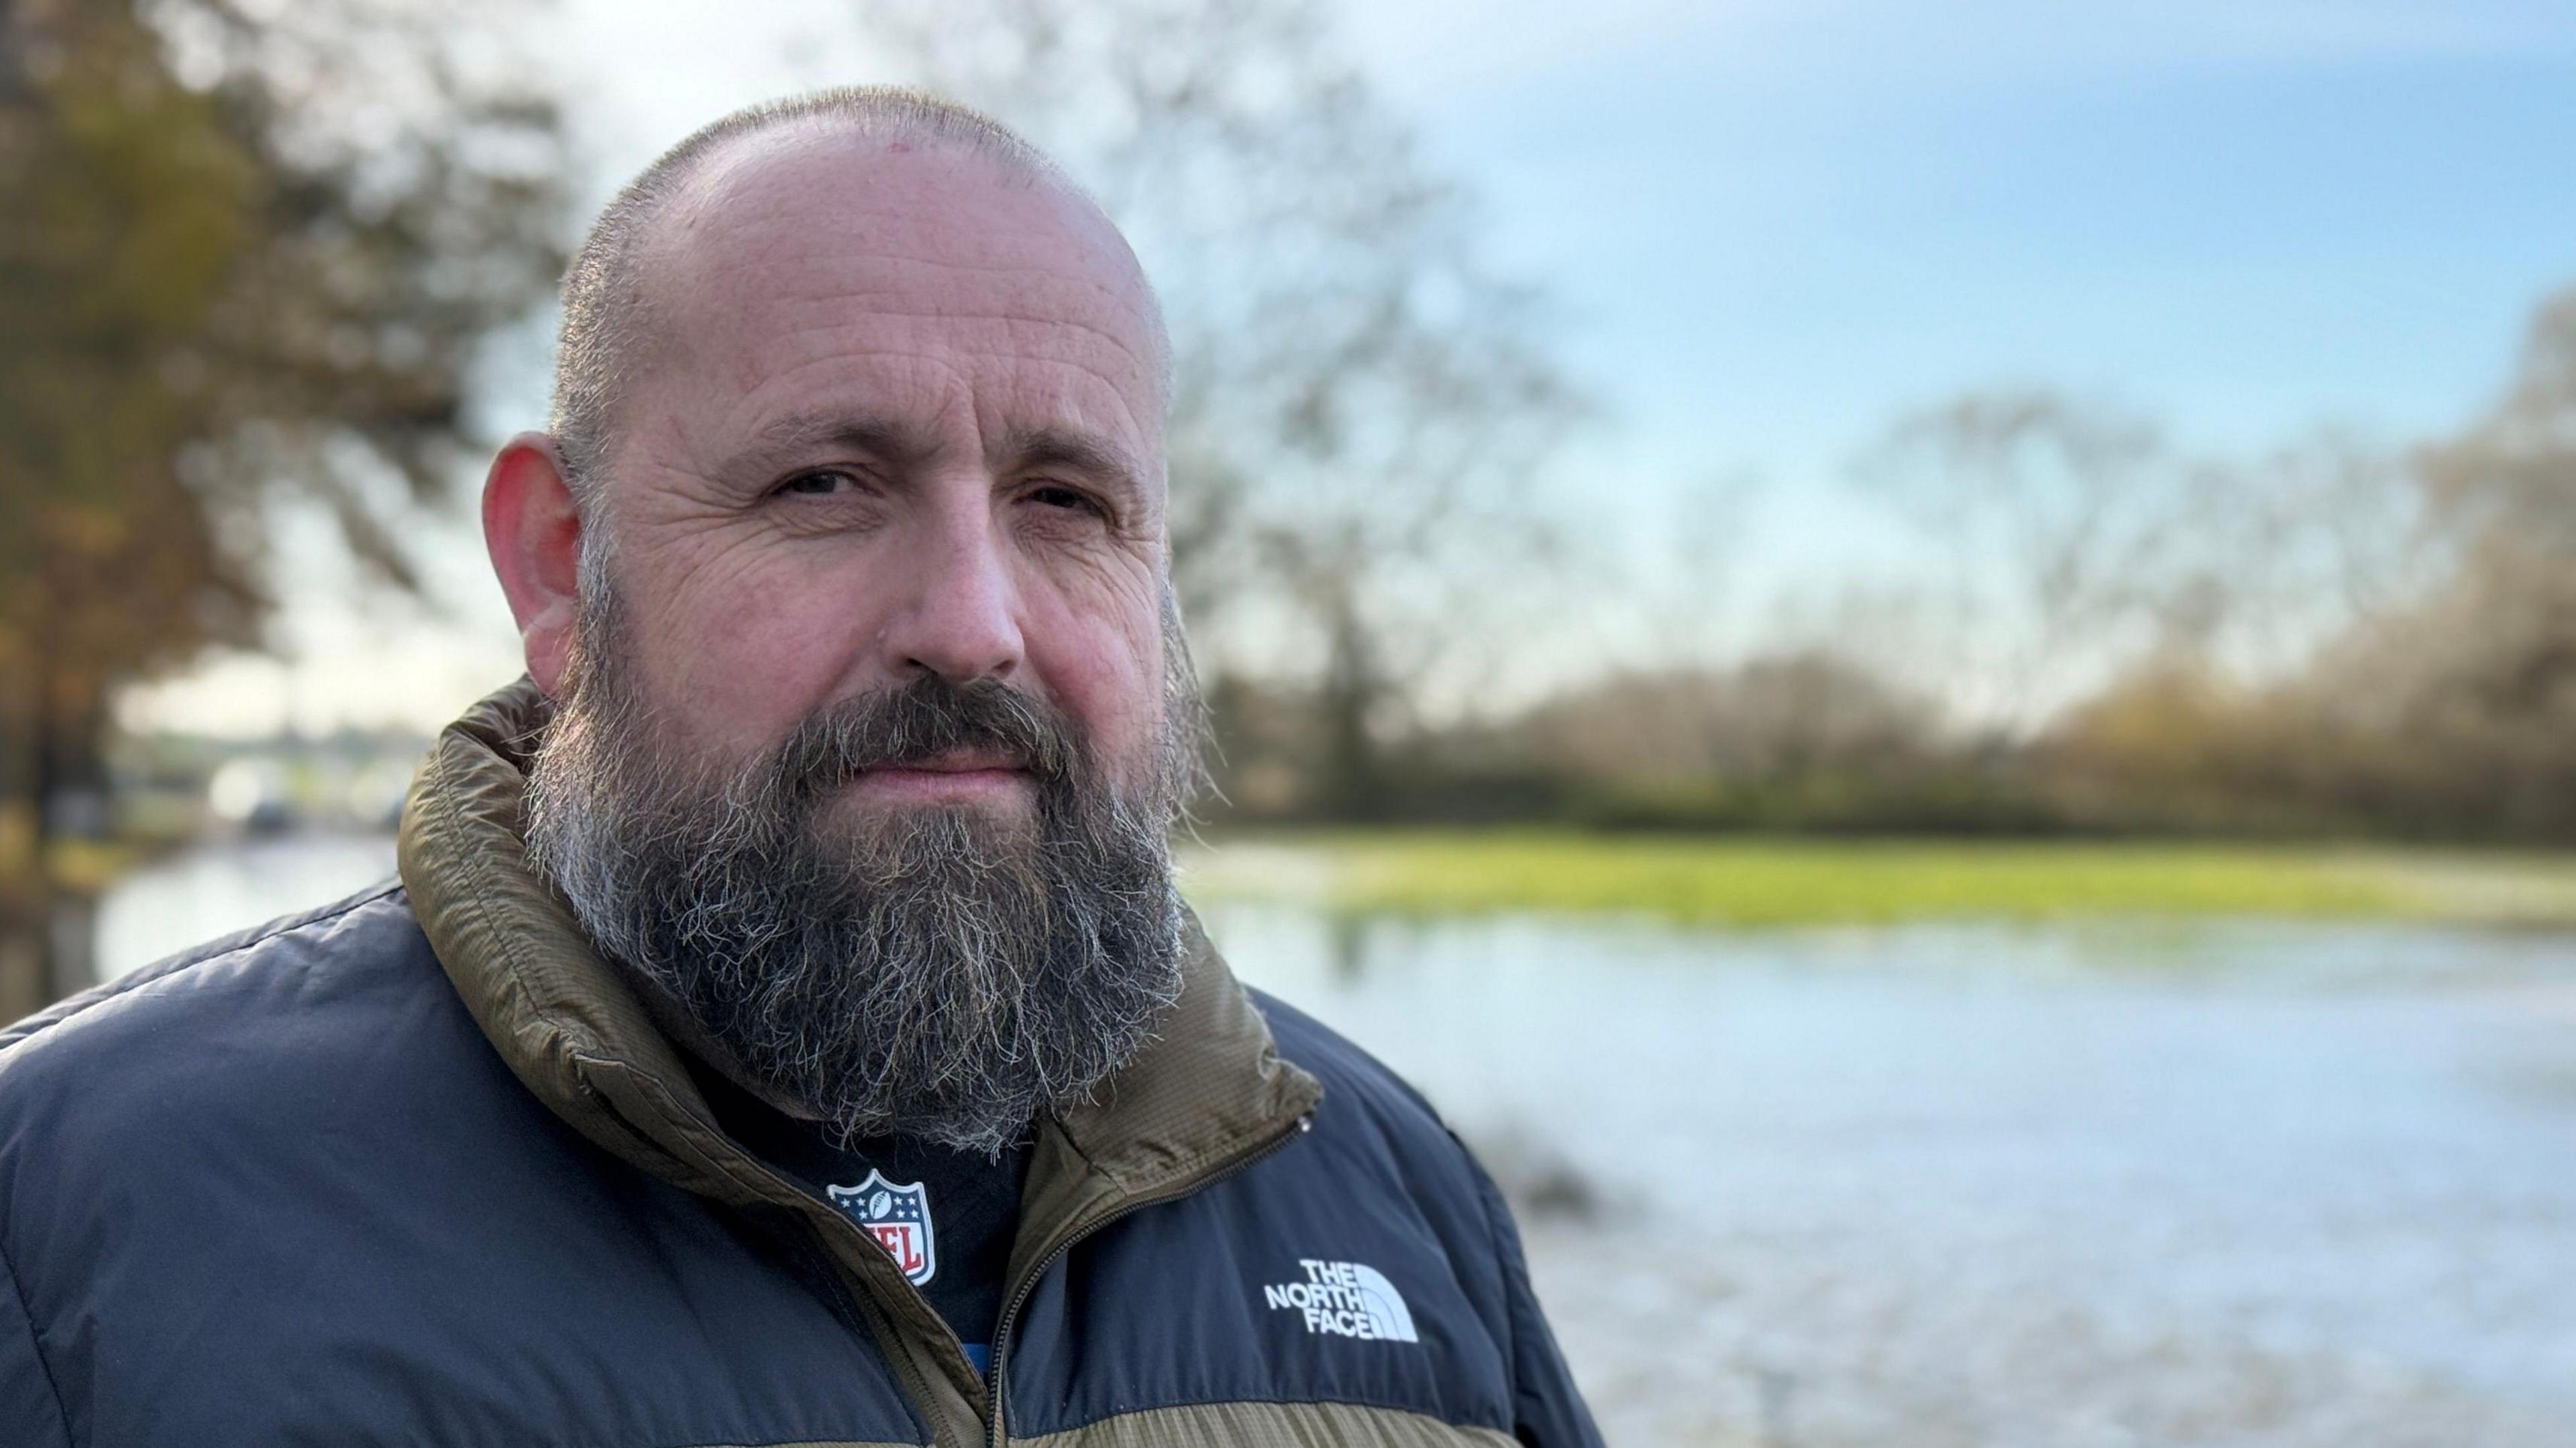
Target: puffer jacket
{"x":416,"y":1168}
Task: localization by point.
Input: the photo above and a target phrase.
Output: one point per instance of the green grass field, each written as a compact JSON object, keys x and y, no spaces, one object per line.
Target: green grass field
{"x":1762,"y":882}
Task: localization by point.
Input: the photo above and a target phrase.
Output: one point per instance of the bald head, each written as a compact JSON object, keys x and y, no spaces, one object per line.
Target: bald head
{"x":615,"y":308}
{"x":853,"y":390}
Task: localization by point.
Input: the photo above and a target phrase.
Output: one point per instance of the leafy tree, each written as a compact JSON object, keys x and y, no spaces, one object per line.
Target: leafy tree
{"x":245,"y":254}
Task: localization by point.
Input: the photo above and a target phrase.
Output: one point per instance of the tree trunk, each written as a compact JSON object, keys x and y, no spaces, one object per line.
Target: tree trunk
{"x":25,"y":907}
{"x":1354,"y":786}
{"x":49,"y":776}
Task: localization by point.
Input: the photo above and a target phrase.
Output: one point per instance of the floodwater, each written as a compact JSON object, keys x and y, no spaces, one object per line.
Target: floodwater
{"x":2229,"y":1184}
{"x":213,"y":890}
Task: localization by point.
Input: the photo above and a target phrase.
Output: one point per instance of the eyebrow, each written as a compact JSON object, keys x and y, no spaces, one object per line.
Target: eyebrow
{"x":787,"y":440}
{"x":1042,"y":447}
{"x":794,"y":437}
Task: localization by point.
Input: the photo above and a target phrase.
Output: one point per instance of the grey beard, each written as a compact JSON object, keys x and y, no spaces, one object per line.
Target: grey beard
{"x":938,"y":973}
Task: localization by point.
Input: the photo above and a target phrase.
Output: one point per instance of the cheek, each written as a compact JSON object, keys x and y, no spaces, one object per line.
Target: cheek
{"x":1107,"y":672}
{"x":738,"y":656}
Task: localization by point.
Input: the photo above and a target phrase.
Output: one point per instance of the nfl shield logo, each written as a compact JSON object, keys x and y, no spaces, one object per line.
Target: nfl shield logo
{"x":898,"y":1217}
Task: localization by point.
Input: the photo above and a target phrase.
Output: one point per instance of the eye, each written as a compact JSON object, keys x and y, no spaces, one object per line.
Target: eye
{"x":819,"y":483}
{"x":1058,"y":496}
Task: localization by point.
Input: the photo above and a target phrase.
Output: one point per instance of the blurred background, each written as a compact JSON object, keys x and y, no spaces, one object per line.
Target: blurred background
{"x":1920,"y":659}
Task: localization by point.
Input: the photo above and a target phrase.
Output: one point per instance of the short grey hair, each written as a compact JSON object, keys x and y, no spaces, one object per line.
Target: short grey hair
{"x":605,"y":311}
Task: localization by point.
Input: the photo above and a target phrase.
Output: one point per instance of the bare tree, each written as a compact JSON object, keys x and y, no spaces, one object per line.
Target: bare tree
{"x":2507,"y":484}
{"x":1360,"y":401}
{"x":2048,"y":515}
{"x":2074,"y":541}
{"x":2303,"y":544}
{"x":2462,"y":705}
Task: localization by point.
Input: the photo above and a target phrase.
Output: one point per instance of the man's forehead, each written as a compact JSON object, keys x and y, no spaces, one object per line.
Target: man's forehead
{"x":780,"y":231}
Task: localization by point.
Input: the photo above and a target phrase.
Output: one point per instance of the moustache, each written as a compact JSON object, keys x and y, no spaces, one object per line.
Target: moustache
{"x":918,"y":722}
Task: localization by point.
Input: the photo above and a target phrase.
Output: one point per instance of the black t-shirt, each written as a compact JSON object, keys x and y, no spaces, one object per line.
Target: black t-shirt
{"x":946,"y":1216}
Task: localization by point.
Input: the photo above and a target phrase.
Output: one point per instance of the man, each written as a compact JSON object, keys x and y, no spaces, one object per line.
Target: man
{"x":784,"y":1029}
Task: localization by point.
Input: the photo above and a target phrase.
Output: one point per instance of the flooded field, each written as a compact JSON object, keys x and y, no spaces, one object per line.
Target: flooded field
{"x":2221,"y":1184}
{"x":1927,"y":1185}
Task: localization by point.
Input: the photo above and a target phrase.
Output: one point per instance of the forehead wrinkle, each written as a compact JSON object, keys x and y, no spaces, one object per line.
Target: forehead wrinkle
{"x":1051,"y":390}
{"x":1005,"y":318}
{"x":1096,"y":309}
{"x":862,"y":311}
{"x":934,"y":390}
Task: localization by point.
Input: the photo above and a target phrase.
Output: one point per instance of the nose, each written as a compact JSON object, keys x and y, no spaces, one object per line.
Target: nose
{"x":960,"y":617}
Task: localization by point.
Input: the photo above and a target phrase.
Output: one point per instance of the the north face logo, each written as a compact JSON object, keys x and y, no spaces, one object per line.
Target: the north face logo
{"x":1345,"y":1299}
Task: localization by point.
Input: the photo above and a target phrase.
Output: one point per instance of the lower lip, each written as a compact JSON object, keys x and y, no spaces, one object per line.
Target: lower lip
{"x":938,"y":784}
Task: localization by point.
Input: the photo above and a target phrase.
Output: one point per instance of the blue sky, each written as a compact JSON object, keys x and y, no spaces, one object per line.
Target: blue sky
{"x":1770,"y":227}
{"x":1769,"y":232}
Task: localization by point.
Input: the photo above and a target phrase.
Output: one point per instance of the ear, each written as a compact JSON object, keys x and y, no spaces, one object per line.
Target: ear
{"x":532,"y":528}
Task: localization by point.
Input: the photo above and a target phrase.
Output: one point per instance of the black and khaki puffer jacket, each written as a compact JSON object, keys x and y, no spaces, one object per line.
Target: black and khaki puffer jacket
{"x":417,"y":1169}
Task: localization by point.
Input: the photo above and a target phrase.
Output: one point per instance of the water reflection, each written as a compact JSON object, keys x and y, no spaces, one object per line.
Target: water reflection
{"x":2277,"y":1185}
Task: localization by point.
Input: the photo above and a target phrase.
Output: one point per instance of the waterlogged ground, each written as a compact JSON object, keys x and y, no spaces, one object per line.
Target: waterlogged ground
{"x":1753,"y":881}
{"x":1933,"y":1184}
{"x":2220,"y":1184}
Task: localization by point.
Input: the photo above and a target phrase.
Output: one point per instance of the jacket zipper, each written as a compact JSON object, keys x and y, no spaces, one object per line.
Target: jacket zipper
{"x":1267,"y":1149}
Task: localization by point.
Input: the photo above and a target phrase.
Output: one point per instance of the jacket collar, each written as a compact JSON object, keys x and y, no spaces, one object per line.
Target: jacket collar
{"x":575,"y":1031}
